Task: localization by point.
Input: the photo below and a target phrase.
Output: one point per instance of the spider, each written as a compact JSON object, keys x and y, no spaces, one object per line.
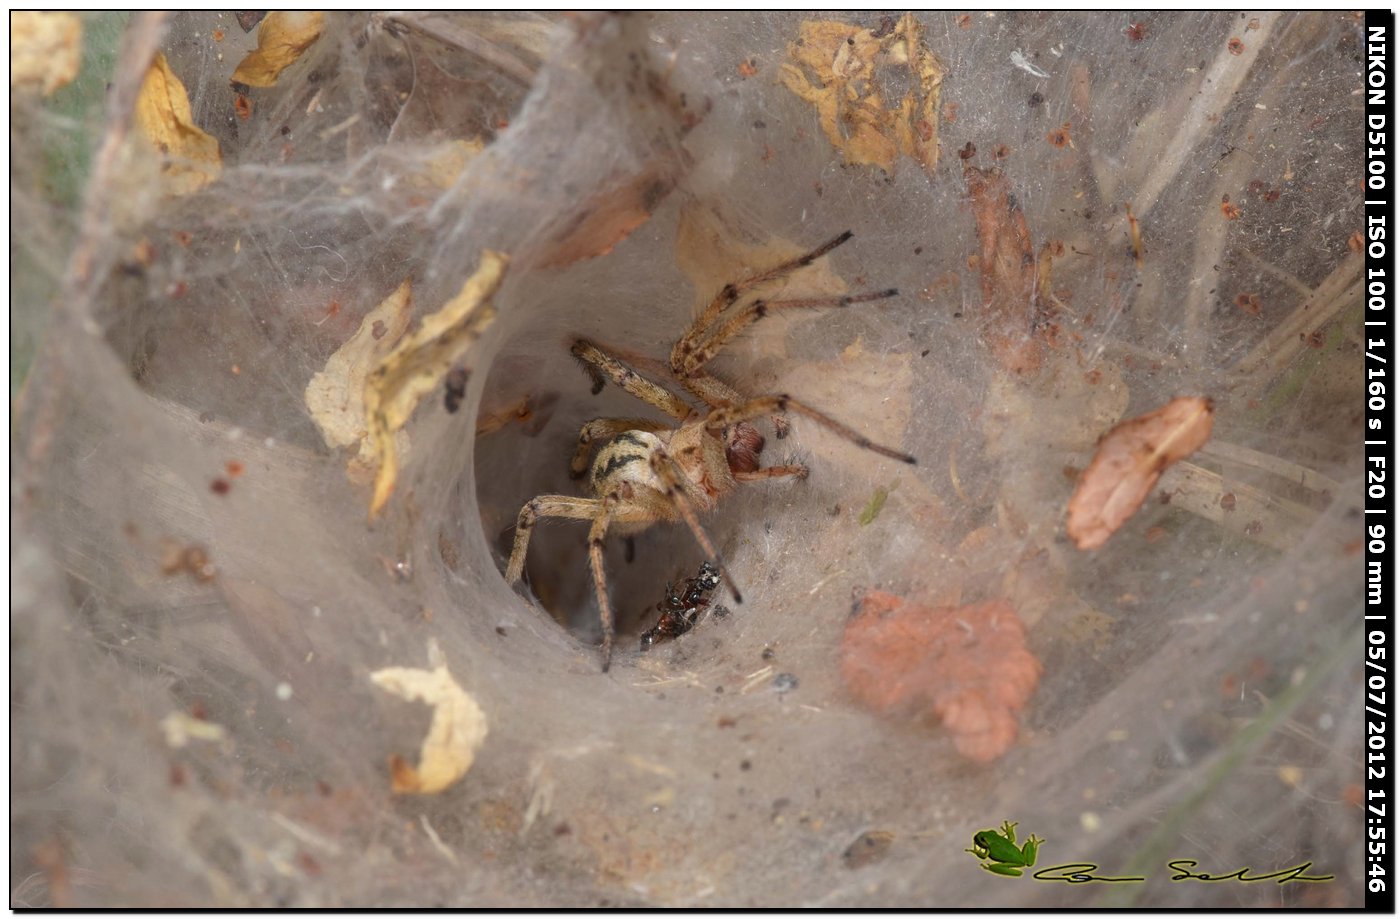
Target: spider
{"x":651,"y":471}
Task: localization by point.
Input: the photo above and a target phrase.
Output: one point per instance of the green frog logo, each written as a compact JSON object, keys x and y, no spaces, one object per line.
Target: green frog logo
{"x":998,"y":852}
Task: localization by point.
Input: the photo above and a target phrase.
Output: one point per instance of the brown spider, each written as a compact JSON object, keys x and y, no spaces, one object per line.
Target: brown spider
{"x":651,"y":471}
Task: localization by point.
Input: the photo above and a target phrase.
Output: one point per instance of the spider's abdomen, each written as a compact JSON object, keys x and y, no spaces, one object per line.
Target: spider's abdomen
{"x":626,"y":459}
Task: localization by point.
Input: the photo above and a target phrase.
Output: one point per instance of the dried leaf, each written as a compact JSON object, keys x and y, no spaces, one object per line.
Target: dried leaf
{"x":443,"y":167}
{"x":1129,"y":460}
{"x":610,"y":216}
{"x":190,"y":157}
{"x":46,"y":50}
{"x":968,"y":666}
{"x":839,"y":68}
{"x":282,"y":38}
{"x":180,"y":728}
{"x":877,"y":504}
{"x":456,"y":733}
{"x":416,"y":368}
{"x":336,"y":395}
{"x":1013,"y":311}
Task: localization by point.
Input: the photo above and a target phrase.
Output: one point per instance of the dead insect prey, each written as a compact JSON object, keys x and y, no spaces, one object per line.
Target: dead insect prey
{"x":650,"y":471}
{"x":681,"y":608}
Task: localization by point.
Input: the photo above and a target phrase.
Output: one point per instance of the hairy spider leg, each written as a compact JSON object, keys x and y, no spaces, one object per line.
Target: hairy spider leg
{"x":670,"y":474}
{"x":796,"y":470}
{"x":701,"y":353}
{"x":721,"y":418}
{"x":596,"y":534}
{"x":600,"y":366}
{"x":544,"y":506}
{"x":729,"y":294}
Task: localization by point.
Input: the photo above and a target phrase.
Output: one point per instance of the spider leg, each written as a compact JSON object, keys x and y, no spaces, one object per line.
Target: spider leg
{"x":670,"y":475}
{"x":721,"y":418}
{"x":601,"y":428}
{"x":730,"y":293}
{"x":772,"y":472}
{"x":695,"y":354}
{"x":545,"y":506}
{"x":602,"y":366}
{"x":596,"y":535}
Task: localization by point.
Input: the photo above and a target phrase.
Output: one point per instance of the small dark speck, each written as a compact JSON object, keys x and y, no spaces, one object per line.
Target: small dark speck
{"x":918,"y":250}
{"x":784,"y":682}
{"x":768,"y":526}
{"x":768,"y":654}
{"x":924,"y":353}
{"x":501,"y":631}
{"x":957,"y":315}
{"x":219,"y":487}
{"x":1036,"y":99}
{"x":745,"y":765}
{"x":719,"y":689}
{"x":760,"y":124}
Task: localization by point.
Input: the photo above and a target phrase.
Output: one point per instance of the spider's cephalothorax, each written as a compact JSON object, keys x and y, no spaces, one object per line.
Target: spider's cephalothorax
{"x":649,"y":471}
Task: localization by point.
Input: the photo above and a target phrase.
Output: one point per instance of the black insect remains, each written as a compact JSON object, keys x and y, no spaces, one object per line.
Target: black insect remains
{"x":455,"y":389}
{"x":681,"y":608}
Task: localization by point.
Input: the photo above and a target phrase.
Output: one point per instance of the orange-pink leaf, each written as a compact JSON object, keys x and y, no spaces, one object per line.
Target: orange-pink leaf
{"x":1129,"y":460}
{"x":967,"y":666}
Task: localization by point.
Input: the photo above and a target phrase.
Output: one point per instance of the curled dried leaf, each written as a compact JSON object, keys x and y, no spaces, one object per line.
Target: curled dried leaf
{"x":336,"y":395}
{"x":610,"y":216}
{"x":839,"y":68}
{"x":967,"y":666}
{"x":180,"y":728}
{"x":282,"y":38}
{"x":1006,"y":257}
{"x":46,"y":50}
{"x":457,"y":731}
{"x":418,"y":365}
{"x":190,"y":157}
{"x":1129,"y":460}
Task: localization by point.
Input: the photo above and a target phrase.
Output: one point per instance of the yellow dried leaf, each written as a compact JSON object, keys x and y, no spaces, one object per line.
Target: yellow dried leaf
{"x":445,"y":165}
{"x":836,"y":68}
{"x":456,"y":733}
{"x":336,"y":395}
{"x":282,"y":37}
{"x":417,"y":366}
{"x":46,"y":50}
{"x":190,"y":157}
{"x":180,"y":728}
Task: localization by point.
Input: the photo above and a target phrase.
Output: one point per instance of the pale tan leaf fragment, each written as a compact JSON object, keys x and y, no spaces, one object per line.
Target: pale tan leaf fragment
{"x":336,"y":395}
{"x":838,"y":68}
{"x":417,"y":366}
{"x":456,"y":733}
{"x":180,"y":728}
{"x":1129,"y":460}
{"x":46,"y":50}
{"x":443,"y":167}
{"x":282,"y":38}
{"x":190,"y":157}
